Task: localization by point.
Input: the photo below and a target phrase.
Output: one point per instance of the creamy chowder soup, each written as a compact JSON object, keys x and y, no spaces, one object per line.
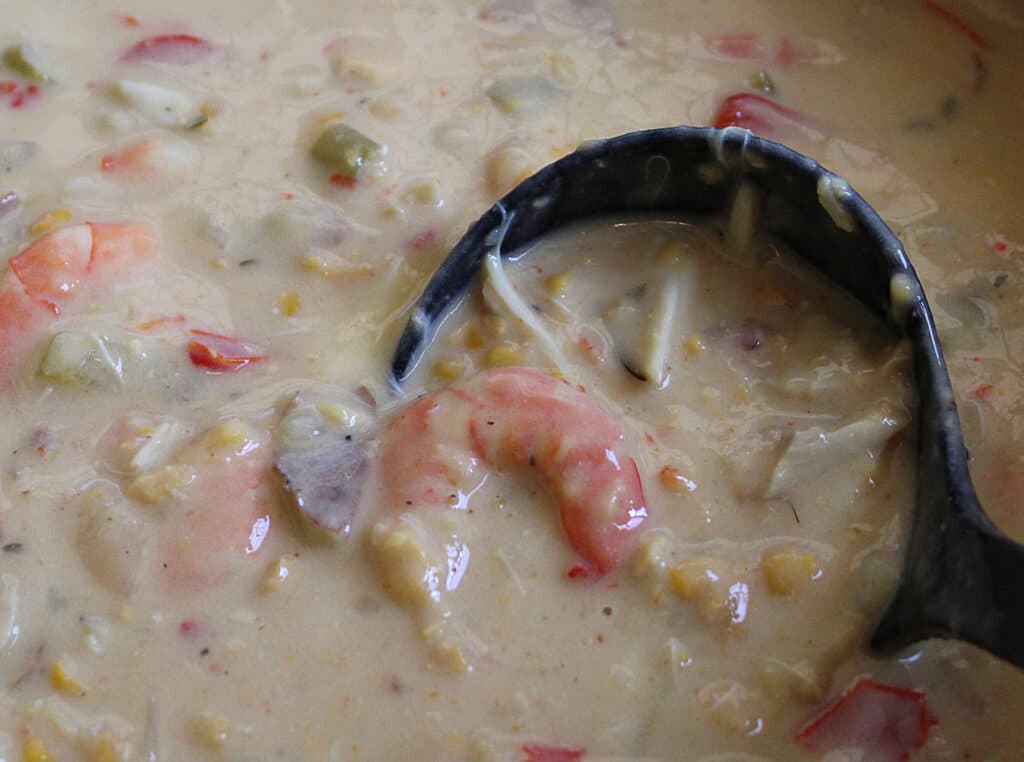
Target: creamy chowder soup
{"x":645,"y":496}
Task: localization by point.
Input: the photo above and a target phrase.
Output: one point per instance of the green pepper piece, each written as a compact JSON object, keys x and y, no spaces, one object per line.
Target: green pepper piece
{"x":345,"y":149}
{"x":27,"y":60}
{"x":762,"y":81}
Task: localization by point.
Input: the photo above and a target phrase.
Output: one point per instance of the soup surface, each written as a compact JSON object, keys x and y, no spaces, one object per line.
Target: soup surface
{"x":646,"y":494}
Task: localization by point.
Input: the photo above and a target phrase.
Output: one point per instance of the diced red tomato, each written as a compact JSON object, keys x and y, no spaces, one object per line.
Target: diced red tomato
{"x":760,"y":115}
{"x":170,"y":48}
{"x":221,"y":353}
{"x":887,"y":721}
{"x":539,"y":752}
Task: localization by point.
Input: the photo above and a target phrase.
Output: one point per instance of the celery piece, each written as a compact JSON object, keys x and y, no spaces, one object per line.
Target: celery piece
{"x":345,"y":149}
{"x":27,"y":60}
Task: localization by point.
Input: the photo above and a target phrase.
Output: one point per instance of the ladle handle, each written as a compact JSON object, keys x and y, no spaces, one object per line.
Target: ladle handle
{"x":962,"y":578}
{"x":974,"y":594}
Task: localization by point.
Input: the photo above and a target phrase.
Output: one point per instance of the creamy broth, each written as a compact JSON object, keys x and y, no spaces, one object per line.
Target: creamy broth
{"x":215,"y":218}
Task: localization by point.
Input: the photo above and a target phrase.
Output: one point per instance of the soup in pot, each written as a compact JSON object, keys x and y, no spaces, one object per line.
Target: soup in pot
{"x":646,"y":494}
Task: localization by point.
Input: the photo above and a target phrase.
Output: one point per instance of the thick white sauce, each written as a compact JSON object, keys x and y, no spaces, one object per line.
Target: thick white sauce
{"x":160,"y":596}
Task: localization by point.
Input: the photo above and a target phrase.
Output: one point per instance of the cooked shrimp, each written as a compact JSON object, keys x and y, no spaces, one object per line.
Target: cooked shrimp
{"x":46,"y":277}
{"x":210,"y":496}
{"x":515,"y":416}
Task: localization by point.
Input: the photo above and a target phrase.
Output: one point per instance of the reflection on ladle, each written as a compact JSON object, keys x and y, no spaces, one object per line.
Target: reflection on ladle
{"x":960,"y":574}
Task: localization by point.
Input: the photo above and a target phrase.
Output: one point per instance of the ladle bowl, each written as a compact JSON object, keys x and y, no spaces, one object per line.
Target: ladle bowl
{"x":961,"y":575}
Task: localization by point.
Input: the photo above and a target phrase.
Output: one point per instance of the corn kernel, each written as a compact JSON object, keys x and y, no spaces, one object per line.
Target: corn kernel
{"x":507,"y":167}
{"x":504,"y":355}
{"x":449,"y":370}
{"x":691,"y":579}
{"x":475,"y":337}
{"x":326,"y":119}
{"x":276,"y":573}
{"x":427,"y":194}
{"x":229,"y":434}
{"x":651,"y":557}
{"x":385,"y":109}
{"x":210,"y":730}
{"x":162,"y":486}
{"x":332,"y":266}
{"x":693,"y":345}
{"x":49,"y":221}
{"x":208,"y":110}
{"x":35,"y":750}
{"x":290,"y":304}
{"x":404,"y":563}
{"x":335,"y":413}
{"x":673,"y":479}
{"x":62,"y":680}
{"x":557,"y":284}
{"x":104,"y":750}
{"x":786,"y":570}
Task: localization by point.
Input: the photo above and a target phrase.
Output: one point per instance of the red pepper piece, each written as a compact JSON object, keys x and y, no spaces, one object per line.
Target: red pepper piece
{"x":341,"y":180}
{"x":221,"y":353}
{"x":740,"y":46}
{"x":170,"y":48}
{"x":758,"y":114}
{"x":539,"y":752}
{"x":957,"y":23}
{"x":887,"y":721}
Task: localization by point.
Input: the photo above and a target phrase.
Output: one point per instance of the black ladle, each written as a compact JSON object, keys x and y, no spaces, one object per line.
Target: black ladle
{"x":962,"y":577}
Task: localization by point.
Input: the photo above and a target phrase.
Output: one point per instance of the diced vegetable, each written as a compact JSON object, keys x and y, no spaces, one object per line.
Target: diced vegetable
{"x":161,"y":105}
{"x":346,"y":150}
{"x":27,"y":60}
{"x":170,"y":48}
{"x":323,"y":457}
{"x":82,"y":358}
{"x":523,"y":97}
{"x":763,"y":81}
{"x":18,"y":95}
{"x":62,"y":679}
{"x":508,"y":166}
{"x":759,"y":115}
{"x":373,"y":61}
{"x":812,"y":451}
{"x":35,"y":750}
{"x":542,"y":752}
{"x":884,"y":721}
{"x":221,"y":353}
{"x":642,"y":324}
{"x":626,"y":321}
{"x":786,"y":570}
